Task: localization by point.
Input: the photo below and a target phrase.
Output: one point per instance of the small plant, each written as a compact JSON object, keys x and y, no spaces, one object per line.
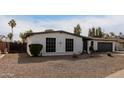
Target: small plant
{"x":109,"y":54}
{"x":75,"y":56}
{"x":35,"y":49}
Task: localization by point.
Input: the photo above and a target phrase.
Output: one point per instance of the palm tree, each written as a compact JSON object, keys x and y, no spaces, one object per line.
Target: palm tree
{"x":12,"y":24}
{"x":10,"y":35}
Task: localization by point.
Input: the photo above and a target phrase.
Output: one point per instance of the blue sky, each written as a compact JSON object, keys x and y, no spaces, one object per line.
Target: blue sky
{"x":61,"y":22}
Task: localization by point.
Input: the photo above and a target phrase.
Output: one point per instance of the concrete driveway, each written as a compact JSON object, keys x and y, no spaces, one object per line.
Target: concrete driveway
{"x":118,"y":74}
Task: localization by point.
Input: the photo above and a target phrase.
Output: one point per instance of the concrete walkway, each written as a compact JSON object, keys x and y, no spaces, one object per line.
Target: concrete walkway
{"x":2,"y":55}
{"x":118,"y":74}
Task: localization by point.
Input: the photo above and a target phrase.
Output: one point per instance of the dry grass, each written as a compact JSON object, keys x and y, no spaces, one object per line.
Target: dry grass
{"x":98,"y":65}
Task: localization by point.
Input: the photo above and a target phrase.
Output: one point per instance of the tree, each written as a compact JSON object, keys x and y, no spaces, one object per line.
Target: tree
{"x":93,"y":32}
{"x":0,"y":40}
{"x":106,"y":35}
{"x":12,"y":24}
{"x":120,"y":34}
{"x":28,"y":32}
{"x":23,"y":35}
{"x":10,"y":35}
{"x":2,"y":36}
{"x":90,"y":33}
{"x":77,"y":30}
{"x":112,"y":34}
{"x":96,"y":32}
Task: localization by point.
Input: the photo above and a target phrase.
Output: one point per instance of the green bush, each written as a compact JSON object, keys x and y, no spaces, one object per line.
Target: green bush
{"x":35,"y":49}
{"x":109,"y":54}
{"x":75,"y":56}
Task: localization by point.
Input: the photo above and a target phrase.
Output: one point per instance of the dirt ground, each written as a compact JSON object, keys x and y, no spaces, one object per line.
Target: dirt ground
{"x":87,"y":66}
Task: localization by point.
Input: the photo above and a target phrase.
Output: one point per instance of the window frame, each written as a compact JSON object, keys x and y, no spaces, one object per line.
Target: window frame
{"x":49,"y":46}
{"x":69,"y":45}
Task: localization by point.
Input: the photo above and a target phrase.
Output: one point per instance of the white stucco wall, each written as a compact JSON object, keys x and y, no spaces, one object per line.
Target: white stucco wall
{"x":95,"y":44}
{"x":119,"y":46}
{"x":60,"y":48}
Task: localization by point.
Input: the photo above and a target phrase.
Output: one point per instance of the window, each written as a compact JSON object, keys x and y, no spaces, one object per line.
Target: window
{"x":69,"y":45}
{"x":50,"y":44}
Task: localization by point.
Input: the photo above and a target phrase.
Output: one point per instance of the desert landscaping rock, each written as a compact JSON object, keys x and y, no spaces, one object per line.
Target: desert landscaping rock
{"x":6,"y":75}
{"x":97,"y":66}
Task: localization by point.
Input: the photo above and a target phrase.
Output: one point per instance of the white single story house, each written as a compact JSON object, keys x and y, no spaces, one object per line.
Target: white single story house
{"x":66,"y":43}
{"x":56,"y":43}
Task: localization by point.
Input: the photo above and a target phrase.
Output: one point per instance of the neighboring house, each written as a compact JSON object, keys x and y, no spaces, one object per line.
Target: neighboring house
{"x":102,"y":44}
{"x":58,"y":43}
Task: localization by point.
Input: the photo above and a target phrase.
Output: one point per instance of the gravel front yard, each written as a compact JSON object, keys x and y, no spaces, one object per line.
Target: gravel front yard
{"x":98,"y":65}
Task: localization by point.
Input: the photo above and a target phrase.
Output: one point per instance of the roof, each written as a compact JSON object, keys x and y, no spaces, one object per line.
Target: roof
{"x":120,"y":40}
{"x":104,"y":39}
{"x":110,"y":39}
{"x":59,"y":31}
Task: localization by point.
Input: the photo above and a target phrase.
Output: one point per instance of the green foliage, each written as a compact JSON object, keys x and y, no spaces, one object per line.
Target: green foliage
{"x":12,"y":24}
{"x":77,"y":30}
{"x":10,"y":35}
{"x":75,"y":56}
{"x":112,"y":34}
{"x":1,"y":37}
{"x":109,"y":54}
{"x":28,"y":32}
{"x":107,"y":35}
{"x":35,"y":49}
{"x":93,"y":31}
{"x":23,"y":35}
{"x":96,"y":32}
{"x":0,"y":40}
{"x":120,"y":33}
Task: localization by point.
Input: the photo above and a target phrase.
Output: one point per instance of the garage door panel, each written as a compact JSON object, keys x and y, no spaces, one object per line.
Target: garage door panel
{"x":104,"y":47}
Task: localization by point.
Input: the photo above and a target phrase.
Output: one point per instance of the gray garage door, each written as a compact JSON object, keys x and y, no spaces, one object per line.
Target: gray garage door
{"x":104,"y":47}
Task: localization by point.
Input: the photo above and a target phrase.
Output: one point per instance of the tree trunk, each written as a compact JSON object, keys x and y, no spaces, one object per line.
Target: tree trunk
{"x":12,"y":35}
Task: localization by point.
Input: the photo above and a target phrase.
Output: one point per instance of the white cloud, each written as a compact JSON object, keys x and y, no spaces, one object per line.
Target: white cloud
{"x":108,"y":23}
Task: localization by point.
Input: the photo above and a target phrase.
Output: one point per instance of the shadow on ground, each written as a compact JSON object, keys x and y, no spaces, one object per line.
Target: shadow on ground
{"x":24,"y":58}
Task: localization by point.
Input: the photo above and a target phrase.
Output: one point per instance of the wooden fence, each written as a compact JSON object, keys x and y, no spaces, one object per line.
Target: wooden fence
{"x":4,"y":47}
{"x":12,"y":47}
{"x":17,"y":47}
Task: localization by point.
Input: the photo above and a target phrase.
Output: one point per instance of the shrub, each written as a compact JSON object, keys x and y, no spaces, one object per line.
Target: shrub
{"x":109,"y":54}
{"x":35,"y":49}
{"x":75,"y":56}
